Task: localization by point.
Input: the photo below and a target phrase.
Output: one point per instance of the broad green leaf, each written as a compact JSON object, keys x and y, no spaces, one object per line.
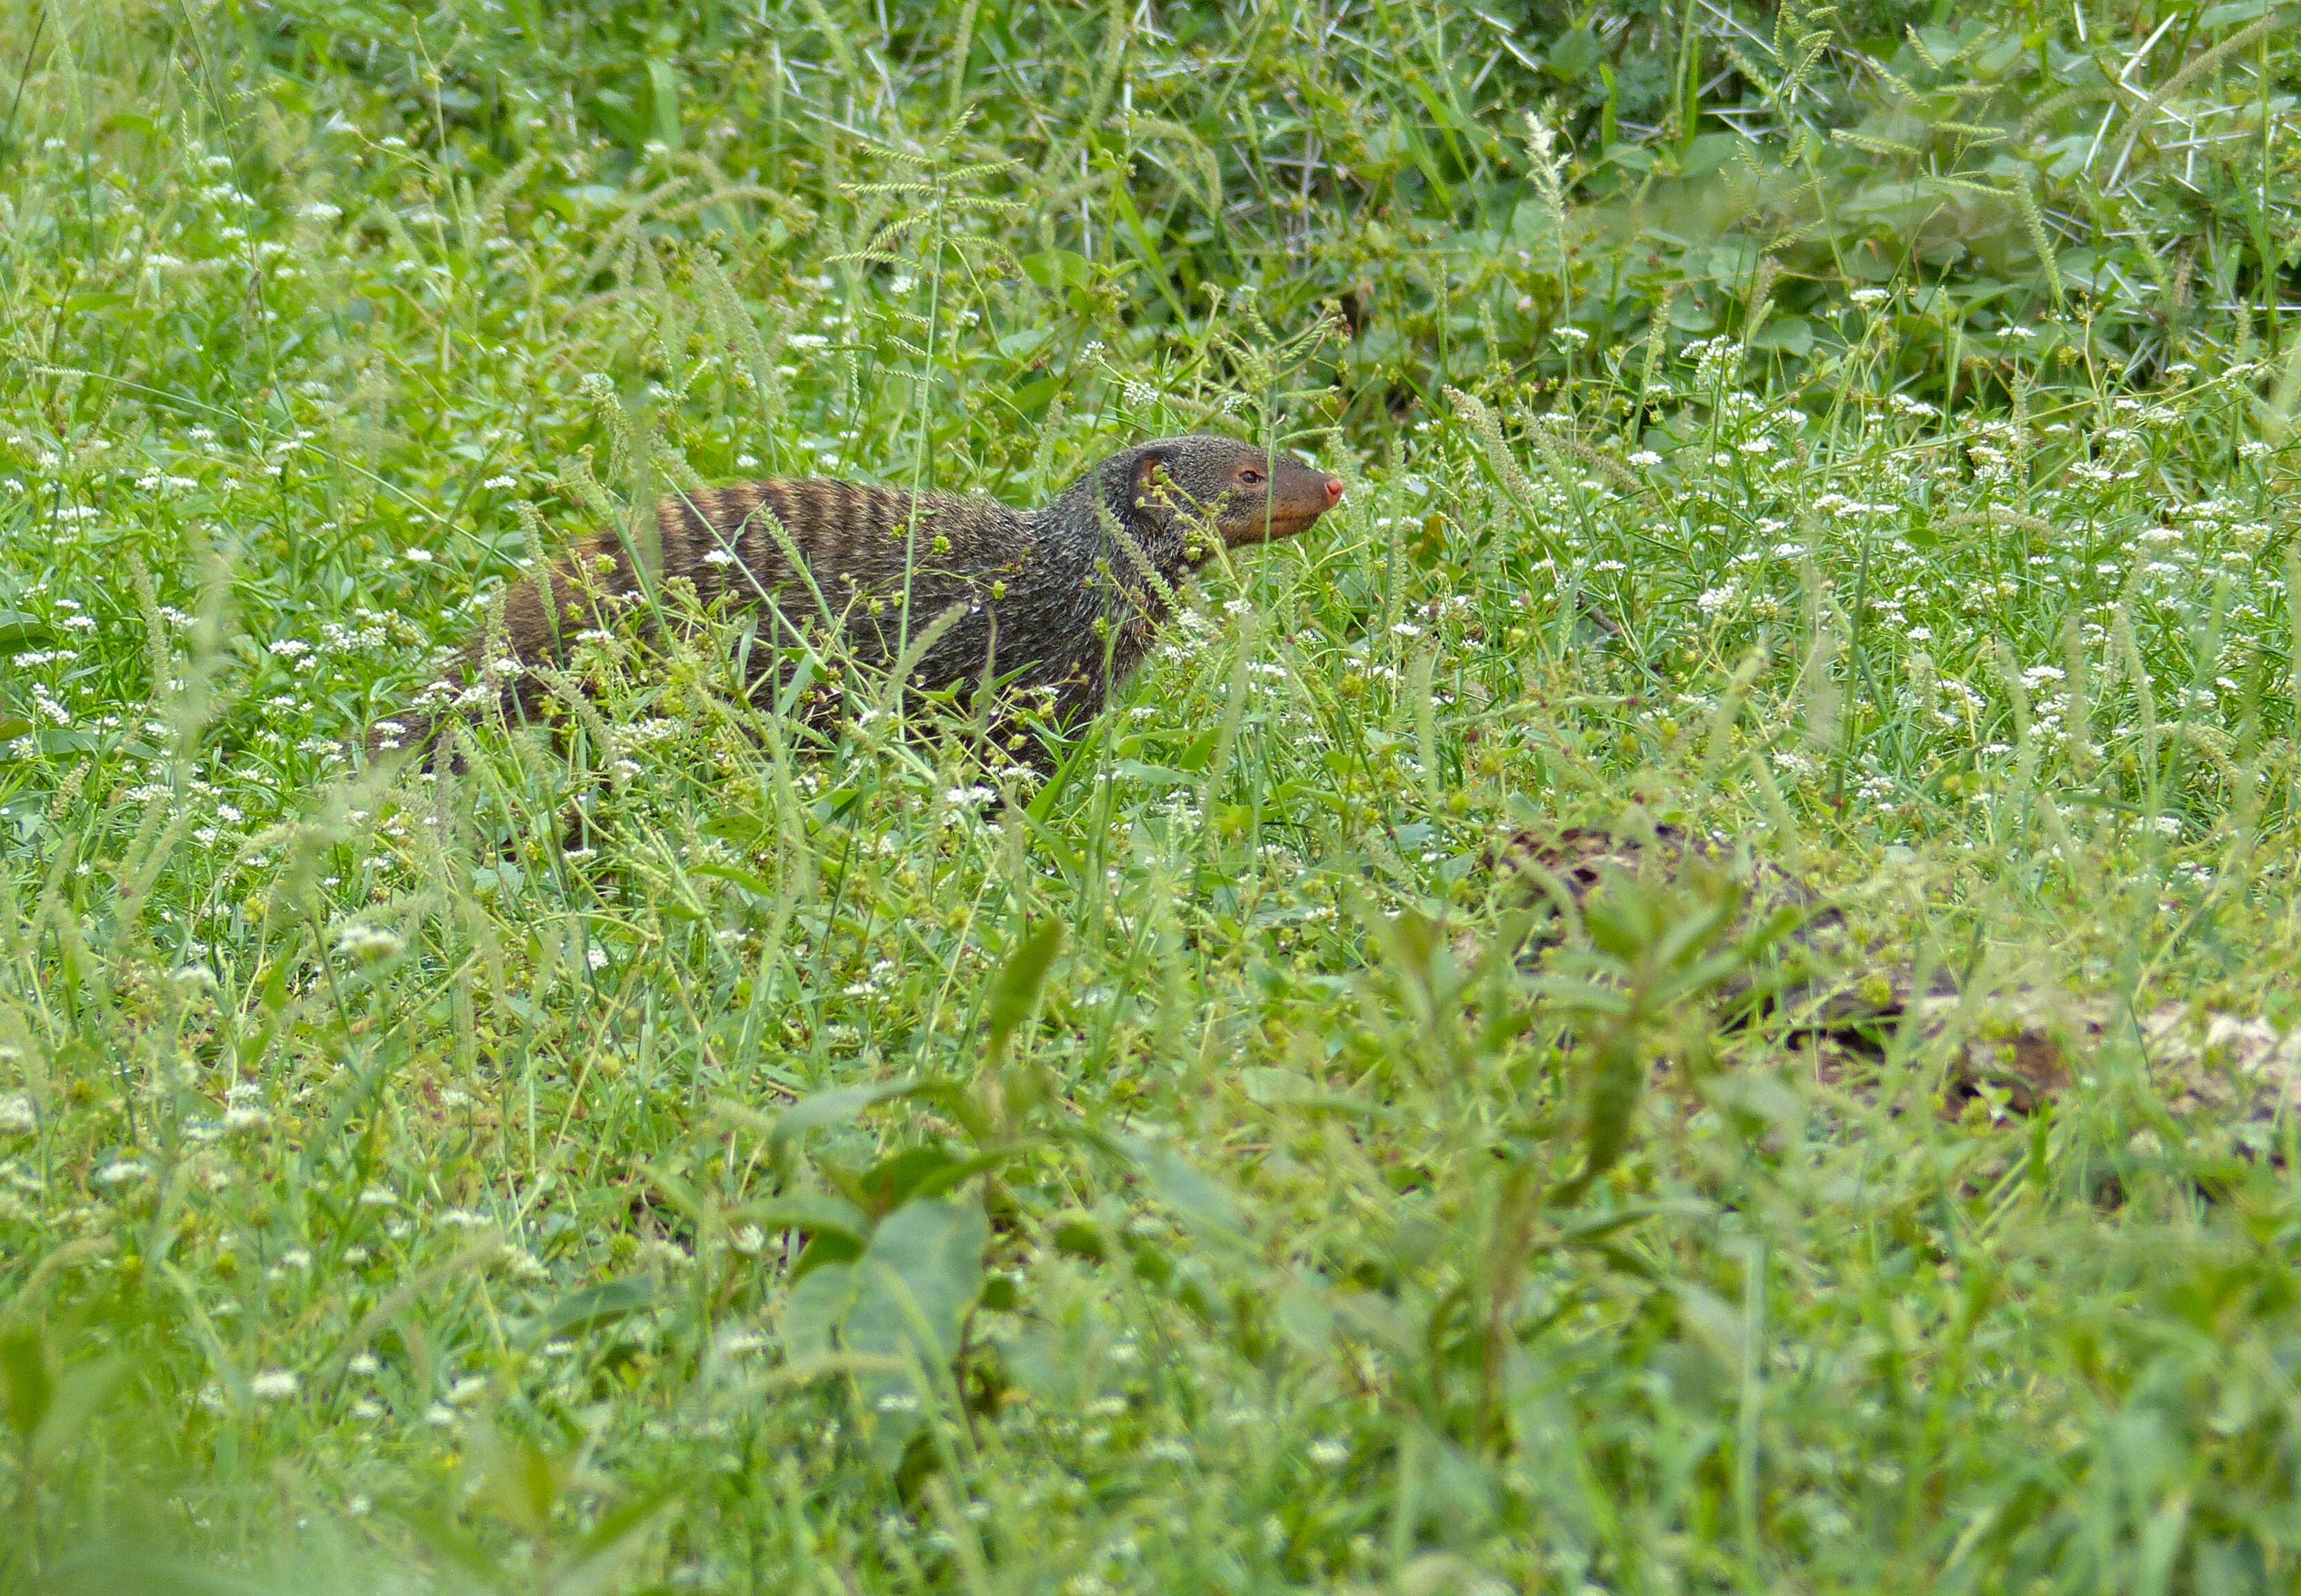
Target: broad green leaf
{"x":1079,"y":759}
{"x":1183,"y":1187}
{"x":1305,"y":1316}
{"x":1792,"y":335}
{"x":1618,"y":1075}
{"x":889,"y":1184}
{"x":807,"y":1211}
{"x":907,"y":1291}
{"x":837,"y":1107}
{"x":917,"y":1278}
{"x":524,"y":1481}
{"x":663,"y":93}
{"x":1150,"y":775}
{"x":595,"y":1306}
{"x":1025,"y":974}
{"x":1575,"y":55}
{"x":905,"y":1297}
{"x":27,"y":1384}
{"x":816,"y":1308}
{"x":1053,"y":268}
{"x":1194,"y":758}
{"x":20,"y":630}
{"x":445,"y":1542}
{"x":77,"y":1396}
{"x":620,"y":1534}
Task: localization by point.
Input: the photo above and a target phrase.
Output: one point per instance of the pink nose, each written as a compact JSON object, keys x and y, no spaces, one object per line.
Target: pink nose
{"x":1333,"y":492}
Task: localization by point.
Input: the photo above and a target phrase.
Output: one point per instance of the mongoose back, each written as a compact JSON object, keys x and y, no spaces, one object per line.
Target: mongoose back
{"x":1065,"y":601}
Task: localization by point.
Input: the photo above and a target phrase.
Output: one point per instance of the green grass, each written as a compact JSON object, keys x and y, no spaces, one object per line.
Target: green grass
{"x":855,"y":1168}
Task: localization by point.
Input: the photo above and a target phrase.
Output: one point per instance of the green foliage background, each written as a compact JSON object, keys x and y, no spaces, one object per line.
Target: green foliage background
{"x":1861,"y":437}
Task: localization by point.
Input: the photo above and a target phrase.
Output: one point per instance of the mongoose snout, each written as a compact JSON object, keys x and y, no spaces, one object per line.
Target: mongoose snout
{"x":1267,"y":497}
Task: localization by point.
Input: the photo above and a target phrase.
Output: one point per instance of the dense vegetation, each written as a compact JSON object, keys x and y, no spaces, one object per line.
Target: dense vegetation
{"x":709,"y":1152}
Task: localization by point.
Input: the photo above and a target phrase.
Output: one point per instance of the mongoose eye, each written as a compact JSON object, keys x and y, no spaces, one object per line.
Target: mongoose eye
{"x":1250,"y":477}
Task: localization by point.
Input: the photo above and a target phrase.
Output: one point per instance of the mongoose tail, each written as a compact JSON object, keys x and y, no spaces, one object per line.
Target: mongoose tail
{"x":1069,"y":597}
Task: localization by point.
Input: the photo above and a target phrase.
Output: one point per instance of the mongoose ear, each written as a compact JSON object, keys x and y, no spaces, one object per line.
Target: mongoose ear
{"x":1147,"y":466}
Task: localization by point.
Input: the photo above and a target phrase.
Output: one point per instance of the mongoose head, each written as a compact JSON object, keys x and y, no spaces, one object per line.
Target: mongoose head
{"x":1244,"y":493}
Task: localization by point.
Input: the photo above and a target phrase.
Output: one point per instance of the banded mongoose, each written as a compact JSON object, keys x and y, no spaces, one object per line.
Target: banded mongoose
{"x":1069,"y":597}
